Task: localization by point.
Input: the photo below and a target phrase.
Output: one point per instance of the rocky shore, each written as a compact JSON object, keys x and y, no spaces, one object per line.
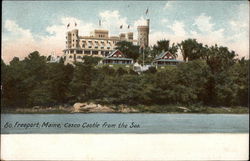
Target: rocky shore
{"x":79,"y":107}
{"x":91,"y":107}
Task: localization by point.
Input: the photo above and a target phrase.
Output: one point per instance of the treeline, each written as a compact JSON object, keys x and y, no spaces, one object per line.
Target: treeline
{"x":214,"y":79}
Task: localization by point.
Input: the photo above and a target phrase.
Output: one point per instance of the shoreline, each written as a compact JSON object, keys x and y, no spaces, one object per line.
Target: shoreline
{"x":123,"y":109}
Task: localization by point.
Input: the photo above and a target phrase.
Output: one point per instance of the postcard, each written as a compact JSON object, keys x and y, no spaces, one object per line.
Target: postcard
{"x":125,"y":80}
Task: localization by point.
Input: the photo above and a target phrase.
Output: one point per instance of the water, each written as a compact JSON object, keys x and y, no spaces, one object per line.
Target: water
{"x":142,"y":123}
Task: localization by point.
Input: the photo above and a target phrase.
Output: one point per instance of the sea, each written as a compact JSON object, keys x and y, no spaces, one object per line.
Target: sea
{"x":118,"y":123}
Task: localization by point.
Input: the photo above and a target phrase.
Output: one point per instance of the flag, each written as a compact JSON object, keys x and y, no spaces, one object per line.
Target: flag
{"x":128,"y":26}
{"x":121,"y":27}
{"x":146,"y":11}
{"x":68,"y":25}
{"x":100,"y":23}
{"x":75,"y":24}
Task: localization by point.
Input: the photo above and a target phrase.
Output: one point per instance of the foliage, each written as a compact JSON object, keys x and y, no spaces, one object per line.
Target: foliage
{"x":191,"y":49}
{"x":214,"y":77}
{"x":129,"y":50}
{"x":163,"y":46}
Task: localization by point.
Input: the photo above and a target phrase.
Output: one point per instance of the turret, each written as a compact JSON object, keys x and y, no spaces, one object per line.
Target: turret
{"x":143,"y":35}
{"x":130,"y":35}
{"x":74,"y":38}
{"x":68,"y":40}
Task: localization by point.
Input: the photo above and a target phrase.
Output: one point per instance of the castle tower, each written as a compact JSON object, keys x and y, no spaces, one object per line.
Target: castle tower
{"x":68,"y":40}
{"x":72,"y":39}
{"x":130,"y":36}
{"x":143,"y":35}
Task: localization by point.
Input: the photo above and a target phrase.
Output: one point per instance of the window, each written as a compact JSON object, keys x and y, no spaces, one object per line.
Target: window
{"x":79,"y":52}
{"x":95,"y":52}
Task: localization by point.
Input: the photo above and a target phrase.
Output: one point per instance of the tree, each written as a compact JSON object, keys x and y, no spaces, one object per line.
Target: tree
{"x":148,"y":58}
{"x":191,"y":49}
{"x":57,"y":83}
{"x":129,"y":50}
{"x":81,"y":81}
{"x":14,"y":87}
{"x":220,"y":58}
{"x":163,"y":46}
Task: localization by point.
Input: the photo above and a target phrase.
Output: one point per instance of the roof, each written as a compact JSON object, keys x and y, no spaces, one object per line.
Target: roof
{"x":117,"y":58}
{"x":162,"y":54}
{"x":168,"y":60}
{"x":111,"y":54}
{"x":102,"y":31}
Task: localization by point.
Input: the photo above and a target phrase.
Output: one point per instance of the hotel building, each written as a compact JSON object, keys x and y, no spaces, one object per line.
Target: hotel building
{"x":99,"y":43}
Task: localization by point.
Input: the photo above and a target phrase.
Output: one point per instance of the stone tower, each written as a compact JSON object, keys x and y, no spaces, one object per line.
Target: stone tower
{"x":143,"y":35}
{"x":72,"y":39}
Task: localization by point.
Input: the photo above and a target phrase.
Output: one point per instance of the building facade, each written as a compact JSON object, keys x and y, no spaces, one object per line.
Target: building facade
{"x":117,"y":57}
{"x":99,"y":43}
{"x":165,"y":58}
{"x":143,"y":35}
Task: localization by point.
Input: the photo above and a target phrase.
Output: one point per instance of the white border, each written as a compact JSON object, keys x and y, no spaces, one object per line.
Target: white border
{"x":125,"y":147}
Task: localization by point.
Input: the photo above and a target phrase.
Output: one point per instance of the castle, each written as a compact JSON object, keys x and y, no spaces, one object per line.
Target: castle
{"x":99,"y":43}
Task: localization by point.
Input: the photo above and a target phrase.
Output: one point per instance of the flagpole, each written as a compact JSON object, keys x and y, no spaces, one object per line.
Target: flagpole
{"x":142,"y":57}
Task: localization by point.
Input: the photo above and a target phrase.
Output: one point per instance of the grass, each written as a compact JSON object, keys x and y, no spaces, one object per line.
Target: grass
{"x":117,"y":66}
{"x":191,"y":109}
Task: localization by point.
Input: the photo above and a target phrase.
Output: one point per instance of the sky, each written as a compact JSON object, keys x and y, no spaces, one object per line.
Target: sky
{"x":42,"y":25}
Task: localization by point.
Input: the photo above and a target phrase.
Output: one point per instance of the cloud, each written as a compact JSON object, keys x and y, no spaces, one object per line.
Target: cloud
{"x":16,"y":31}
{"x":140,"y":22}
{"x":239,"y":25}
{"x":19,"y":42}
{"x":203,"y":23}
{"x":164,"y":21}
{"x":112,"y":20}
{"x":168,"y":5}
{"x":178,"y":28}
{"x":205,"y":33}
